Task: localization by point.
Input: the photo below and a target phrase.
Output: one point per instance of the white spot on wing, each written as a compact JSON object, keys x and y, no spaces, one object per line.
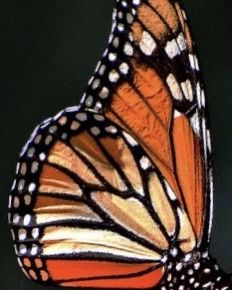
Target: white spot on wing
{"x":128,"y":49}
{"x":130,"y":139}
{"x":172,"y":49}
{"x":187,"y":90}
{"x":147,"y":43}
{"x":181,"y":42}
{"x":145,"y":163}
{"x":170,"y":192}
{"x":177,"y":114}
{"x":114,"y":76}
{"x":174,"y":87}
{"x":195,"y":123}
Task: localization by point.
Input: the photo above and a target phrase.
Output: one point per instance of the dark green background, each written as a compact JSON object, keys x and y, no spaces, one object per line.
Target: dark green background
{"x":48,"y":50}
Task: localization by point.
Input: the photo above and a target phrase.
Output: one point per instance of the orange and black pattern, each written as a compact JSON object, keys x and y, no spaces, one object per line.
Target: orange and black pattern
{"x":117,"y":193}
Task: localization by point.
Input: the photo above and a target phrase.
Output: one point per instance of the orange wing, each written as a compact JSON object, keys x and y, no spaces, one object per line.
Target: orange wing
{"x":104,"y":193}
{"x":152,"y":88}
{"x":100,"y":213}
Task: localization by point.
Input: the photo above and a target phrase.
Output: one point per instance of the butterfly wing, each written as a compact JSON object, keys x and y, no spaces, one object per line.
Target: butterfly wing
{"x":102,"y":192}
{"x":83,"y":207}
{"x":149,"y":83}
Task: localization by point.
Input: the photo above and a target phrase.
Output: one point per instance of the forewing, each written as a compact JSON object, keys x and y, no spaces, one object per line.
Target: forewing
{"x":149,"y":83}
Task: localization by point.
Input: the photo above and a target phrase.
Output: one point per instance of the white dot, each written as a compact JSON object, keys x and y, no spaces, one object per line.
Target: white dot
{"x":120,"y":15}
{"x":111,"y":129}
{"x":81,"y":117}
{"x":23,"y":168}
{"x":89,"y":101}
{"x":179,"y":266}
{"x":64,"y":136}
{"x":181,"y":42}
{"x":116,"y":42}
{"x":112,"y":56}
{"x":37,"y":139}
{"x":27,"y":219}
{"x":22,"y":249}
{"x":197,"y":266}
{"x":129,"y":18}
{"x":104,"y":93}
{"x":34,"y":167}
{"x":95,"y":130}
{"x":31,"y":152}
{"x":128,"y":49}
{"x":98,"y":106}
{"x":102,"y":70}
{"x":191,"y":281}
{"x":63,"y":120}
{"x":21,"y":184}
{"x":145,"y":163}
{"x":27,"y":199}
{"x":34,"y":249}
{"x":190,"y":272}
{"x":16,"y":218}
{"x":124,"y":3}
{"x":52,"y":129}
{"x":48,"y":140}
{"x":75,"y":125}
{"x":114,"y":76}
{"x":42,"y":156}
{"x":22,"y":234}
{"x":121,"y":27}
{"x":16,"y":202}
{"x":95,"y":84}
{"x":35,"y":233}
{"x":130,"y":139}
{"x":99,"y":117}
{"x":136,"y":2}
{"x":124,"y":68}
{"x":31,"y":187}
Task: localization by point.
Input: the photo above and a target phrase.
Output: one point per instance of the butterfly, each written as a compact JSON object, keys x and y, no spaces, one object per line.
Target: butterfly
{"x":117,"y":192}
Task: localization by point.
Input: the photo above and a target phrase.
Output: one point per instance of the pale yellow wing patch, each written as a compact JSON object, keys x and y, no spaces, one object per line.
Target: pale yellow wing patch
{"x":161,"y":204}
{"x":67,"y":240}
{"x":131,"y":214}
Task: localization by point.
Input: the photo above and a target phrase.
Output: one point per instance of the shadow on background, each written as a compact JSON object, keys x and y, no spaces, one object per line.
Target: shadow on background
{"x":48,"y":52}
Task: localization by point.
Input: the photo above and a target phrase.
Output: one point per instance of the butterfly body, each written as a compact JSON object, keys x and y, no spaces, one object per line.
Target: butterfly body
{"x":117,"y":192}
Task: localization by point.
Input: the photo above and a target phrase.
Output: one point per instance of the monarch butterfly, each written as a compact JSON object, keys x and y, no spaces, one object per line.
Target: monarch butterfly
{"x":117,"y":192}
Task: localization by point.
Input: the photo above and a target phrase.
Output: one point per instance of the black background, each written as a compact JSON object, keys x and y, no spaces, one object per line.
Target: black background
{"x":48,"y":50}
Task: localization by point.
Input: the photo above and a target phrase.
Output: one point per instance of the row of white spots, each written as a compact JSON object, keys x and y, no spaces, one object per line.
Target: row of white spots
{"x":23,"y":233}
{"x":33,"y":249}
{"x":25,"y":220}
{"x":176,"y":46}
{"x":185,"y":90}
